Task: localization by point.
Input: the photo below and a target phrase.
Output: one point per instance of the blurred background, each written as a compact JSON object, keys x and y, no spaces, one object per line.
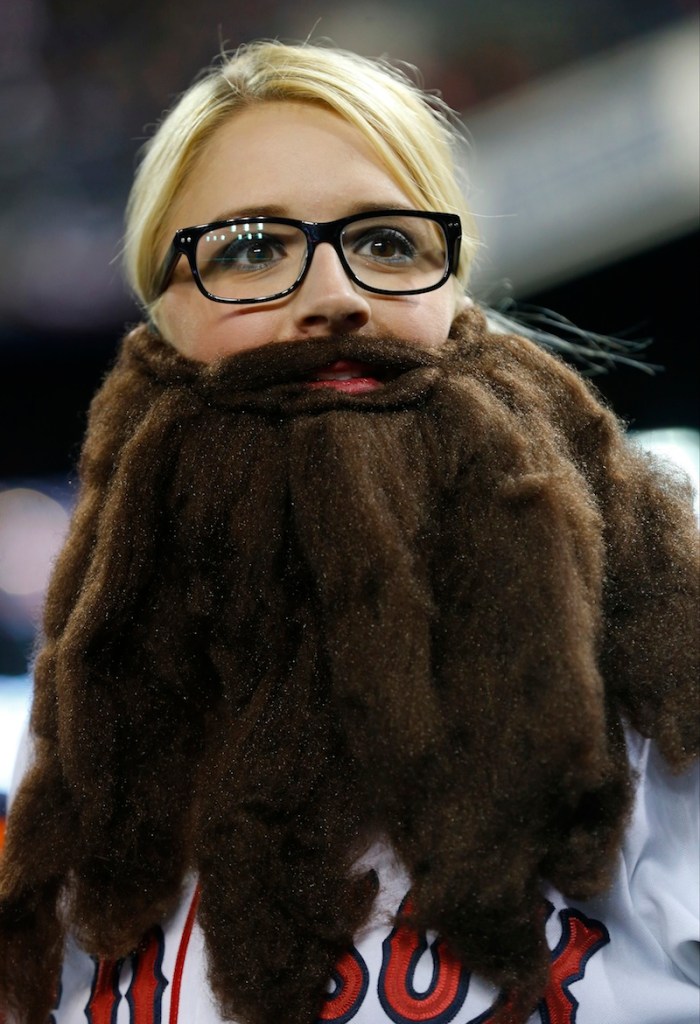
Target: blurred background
{"x":582,"y":170}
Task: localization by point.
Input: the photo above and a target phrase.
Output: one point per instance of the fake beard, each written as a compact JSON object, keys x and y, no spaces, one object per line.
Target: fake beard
{"x":289,"y":618}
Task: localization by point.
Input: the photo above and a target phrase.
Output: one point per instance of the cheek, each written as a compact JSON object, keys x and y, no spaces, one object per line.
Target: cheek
{"x":182,"y":324}
{"x":206,"y":331}
{"x":427,"y":322}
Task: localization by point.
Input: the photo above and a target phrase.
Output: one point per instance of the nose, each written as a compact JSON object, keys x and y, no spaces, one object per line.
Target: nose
{"x":327,"y":300}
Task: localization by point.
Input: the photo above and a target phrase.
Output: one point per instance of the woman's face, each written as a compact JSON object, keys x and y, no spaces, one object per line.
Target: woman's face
{"x":302,"y":161}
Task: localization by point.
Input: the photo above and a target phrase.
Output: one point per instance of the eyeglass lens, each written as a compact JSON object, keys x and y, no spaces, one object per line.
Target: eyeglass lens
{"x":254,"y":260}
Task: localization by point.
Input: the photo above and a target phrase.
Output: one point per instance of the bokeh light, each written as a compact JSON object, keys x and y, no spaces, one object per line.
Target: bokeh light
{"x":32,"y":527}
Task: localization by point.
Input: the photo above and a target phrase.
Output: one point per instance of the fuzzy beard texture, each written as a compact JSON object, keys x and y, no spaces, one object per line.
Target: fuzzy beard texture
{"x":286,"y":620}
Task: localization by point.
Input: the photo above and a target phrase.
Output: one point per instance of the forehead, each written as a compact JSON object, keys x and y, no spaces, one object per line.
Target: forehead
{"x":287,"y":158}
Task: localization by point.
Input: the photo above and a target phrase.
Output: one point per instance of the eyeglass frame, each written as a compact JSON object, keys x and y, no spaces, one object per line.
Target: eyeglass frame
{"x":185,"y":244}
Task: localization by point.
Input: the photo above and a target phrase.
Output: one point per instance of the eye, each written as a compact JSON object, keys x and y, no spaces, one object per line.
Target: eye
{"x":250,"y":251}
{"x":384,"y":245}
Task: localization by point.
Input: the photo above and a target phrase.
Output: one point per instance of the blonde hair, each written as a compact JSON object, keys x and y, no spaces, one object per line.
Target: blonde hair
{"x":412,"y":132}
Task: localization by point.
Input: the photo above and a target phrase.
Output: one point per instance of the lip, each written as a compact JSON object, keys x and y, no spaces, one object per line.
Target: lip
{"x":348,"y":376}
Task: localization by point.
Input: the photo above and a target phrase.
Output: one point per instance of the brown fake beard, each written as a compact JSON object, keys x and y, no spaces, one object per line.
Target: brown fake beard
{"x":286,"y":619}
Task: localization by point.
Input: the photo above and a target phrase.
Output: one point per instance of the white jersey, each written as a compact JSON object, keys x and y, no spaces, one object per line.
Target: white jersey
{"x":629,"y":957}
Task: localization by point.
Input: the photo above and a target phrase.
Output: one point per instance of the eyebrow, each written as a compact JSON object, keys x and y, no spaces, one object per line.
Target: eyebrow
{"x":276,"y":210}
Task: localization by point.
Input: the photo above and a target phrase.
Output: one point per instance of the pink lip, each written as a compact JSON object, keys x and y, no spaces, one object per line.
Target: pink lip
{"x":345,"y":375}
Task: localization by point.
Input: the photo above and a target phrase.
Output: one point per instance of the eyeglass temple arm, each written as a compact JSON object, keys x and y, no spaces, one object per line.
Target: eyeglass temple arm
{"x":167,"y":268}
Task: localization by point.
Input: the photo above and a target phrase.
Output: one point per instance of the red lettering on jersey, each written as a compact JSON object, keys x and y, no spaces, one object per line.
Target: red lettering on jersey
{"x":145,"y":992}
{"x":581,"y":937}
{"x":145,"y":995}
{"x":351,"y":979}
{"x":105,"y":995}
{"x":403,"y":1004}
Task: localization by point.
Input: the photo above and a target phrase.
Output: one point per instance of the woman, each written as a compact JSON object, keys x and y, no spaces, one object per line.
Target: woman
{"x":366,"y":664}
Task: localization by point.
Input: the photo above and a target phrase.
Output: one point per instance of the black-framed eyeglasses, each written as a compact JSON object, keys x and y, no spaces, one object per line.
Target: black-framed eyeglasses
{"x":256,"y":259}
